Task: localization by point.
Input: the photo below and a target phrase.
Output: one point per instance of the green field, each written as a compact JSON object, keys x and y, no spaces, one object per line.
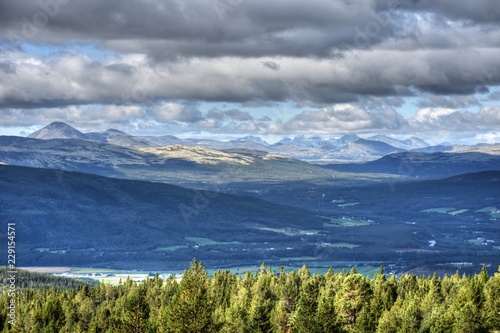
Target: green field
{"x":460,"y":211}
{"x":344,"y":245}
{"x":171,"y":248}
{"x":441,"y":210}
{"x":54,"y":251}
{"x":292,"y":264}
{"x":290,"y":231}
{"x":445,"y":210}
{"x":345,"y":222}
{"x":476,"y":241}
{"x":348,"y":204}
{"x":492,"y":211}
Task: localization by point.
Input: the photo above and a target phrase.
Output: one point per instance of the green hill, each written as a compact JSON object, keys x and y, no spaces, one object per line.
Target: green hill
{"x":65,"y":218}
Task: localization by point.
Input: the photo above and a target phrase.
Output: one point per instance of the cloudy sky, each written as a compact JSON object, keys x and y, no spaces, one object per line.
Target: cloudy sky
{"x":223,"y":68}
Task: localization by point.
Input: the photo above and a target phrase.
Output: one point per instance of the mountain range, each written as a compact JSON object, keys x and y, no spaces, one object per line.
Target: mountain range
{"x":247,"y":160}
{"x":175,"y":163}
{"x":348,"y":148}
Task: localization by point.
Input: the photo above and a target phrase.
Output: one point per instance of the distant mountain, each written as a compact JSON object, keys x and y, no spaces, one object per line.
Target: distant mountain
{"x":414,"y":142}
{"x":410,"y":143}
{"x":491,"y":149}
{"x":251,"y":138}
{"x":435,"y":149}
{"x":316,"y":141}
{"x":346,"y":139}
{"x":314,"y":149}
{"x":163,"y":140}
{"x":362,"y":150}
{"x":178,"y":164}
{"x":426,"y":165}
{"x":58,"y":130}
{"x":282,"y":141}
{"x":303,"y":141}
{"x":120,"y":138}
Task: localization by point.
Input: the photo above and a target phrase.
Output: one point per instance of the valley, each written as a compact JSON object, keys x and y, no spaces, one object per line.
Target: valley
{"x":79,"y":201}
{"x":74,"y":219}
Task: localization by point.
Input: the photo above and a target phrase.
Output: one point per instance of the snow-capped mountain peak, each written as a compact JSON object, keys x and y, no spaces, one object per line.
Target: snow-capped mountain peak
{"x":252,"y":138}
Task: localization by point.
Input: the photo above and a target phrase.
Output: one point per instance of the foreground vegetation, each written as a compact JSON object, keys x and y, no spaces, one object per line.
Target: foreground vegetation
{"x":265,"y":302}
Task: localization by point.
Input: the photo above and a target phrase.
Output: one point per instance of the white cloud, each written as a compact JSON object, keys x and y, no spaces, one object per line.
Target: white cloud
{"x":167,"y":112}
{"x":487,"y":119}
{"x":345,"y":118}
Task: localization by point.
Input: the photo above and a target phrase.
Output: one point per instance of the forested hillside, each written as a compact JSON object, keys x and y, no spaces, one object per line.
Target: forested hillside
{"x":265,"y":302}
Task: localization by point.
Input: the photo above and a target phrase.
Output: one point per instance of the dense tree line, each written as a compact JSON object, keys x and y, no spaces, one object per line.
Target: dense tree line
{"x":265,"y":302}
{"x":33,"y":280}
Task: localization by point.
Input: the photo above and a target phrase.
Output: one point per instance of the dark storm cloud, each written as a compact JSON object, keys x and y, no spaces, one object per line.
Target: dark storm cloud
{"x":73,"y":79}
{"x":313,"y":53}
{"x":233,"y":114}
{"x":238,"y":115}
{"x":170,"y":29}
{"x":174,"y":29}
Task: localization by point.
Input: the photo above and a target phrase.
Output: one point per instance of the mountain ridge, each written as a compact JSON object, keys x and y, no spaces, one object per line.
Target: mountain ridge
{"x":313,"y":149}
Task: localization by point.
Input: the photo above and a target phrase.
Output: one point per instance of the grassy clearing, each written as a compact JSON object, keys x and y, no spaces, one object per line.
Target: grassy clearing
{"x":54,"y":251}
{"x":340,"y":245}
{"x":460,"y":211}
{"x":441,"y":210}
{"x":293,"y":264}
{"x":476,"y":241}
{"x":170,"y":248}
{"x":348,"y":204}
{"x":492,"y":211}
{"x":50,"y":270}
{"x":345,"y":222}
{"x":290,"y":231}
{"x":92,"y":270}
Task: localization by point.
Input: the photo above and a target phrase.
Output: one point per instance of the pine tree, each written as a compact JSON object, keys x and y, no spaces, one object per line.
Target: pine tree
{"x":349,"y":301}
{"x":190,"y":310}
{"x":491,"y":309}
{"x":305,"y":319}
{"x":263,"y":302}
{"x":326,"y":314}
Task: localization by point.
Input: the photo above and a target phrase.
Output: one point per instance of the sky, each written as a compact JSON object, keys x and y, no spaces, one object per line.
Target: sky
{"x":230,"y":68}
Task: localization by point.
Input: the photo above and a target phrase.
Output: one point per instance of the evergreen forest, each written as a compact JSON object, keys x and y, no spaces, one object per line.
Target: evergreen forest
{"x":268,"y":301}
